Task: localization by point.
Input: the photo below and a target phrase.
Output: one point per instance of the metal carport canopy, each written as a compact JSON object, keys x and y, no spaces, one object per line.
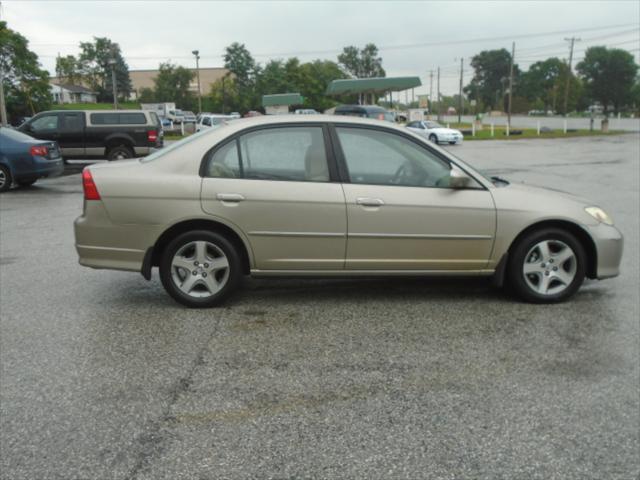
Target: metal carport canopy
{"x":372,"y":85}
{"x":282,"y":99}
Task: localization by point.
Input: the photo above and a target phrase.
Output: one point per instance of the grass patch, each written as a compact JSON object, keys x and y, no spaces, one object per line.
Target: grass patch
{"x":499,"y":133}
{"x":96,"y":106}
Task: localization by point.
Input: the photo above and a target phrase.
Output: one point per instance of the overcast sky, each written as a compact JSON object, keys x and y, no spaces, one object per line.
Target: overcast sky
{"x":150,"y":32}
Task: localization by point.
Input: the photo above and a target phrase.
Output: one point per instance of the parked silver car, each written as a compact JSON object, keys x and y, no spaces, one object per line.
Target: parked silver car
{"x":315,"y":195}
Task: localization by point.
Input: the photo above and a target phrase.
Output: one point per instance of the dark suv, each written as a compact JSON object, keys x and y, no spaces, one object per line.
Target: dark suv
{"x":366,"y":111}
{"x":111,"y":134}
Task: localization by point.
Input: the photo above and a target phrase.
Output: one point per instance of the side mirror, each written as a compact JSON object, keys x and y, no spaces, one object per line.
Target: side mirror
{"x":458,"y":178}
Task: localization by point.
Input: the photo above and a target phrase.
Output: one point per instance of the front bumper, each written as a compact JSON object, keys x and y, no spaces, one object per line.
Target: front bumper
{"x":609,"y":244}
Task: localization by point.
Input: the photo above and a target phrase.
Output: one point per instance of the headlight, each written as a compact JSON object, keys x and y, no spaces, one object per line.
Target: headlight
{"x":599,"y":214}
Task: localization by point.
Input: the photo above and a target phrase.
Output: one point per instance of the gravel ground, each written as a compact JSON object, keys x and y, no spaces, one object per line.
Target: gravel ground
{"x":104,"y":377}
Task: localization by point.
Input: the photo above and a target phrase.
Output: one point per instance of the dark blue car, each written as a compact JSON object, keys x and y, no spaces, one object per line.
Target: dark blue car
{"x":24,"y":159}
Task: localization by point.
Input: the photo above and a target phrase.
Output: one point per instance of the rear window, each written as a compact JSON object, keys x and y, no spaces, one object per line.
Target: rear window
{"x":15,"y":135}
{"x":118,"y":118}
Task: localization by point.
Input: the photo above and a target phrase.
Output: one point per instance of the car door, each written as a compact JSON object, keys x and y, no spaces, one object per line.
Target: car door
{"x":416,"y":127}
{"x":71,"y":139}
{"x":279,"y":187}
{"x":401,"y":213}
{"x":44,"y":127}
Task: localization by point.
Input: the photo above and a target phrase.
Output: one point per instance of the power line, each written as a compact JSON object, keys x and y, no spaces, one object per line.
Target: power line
{"x":387,"y":47}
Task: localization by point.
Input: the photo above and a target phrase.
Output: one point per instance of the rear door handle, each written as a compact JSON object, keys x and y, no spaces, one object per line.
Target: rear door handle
{"x":230,"y":197}
{"x":369,"y":202}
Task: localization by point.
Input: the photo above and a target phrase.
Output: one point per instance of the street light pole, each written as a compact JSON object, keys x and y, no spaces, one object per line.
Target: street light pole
{"x":196,"y":53}
{"x":112,"y":62}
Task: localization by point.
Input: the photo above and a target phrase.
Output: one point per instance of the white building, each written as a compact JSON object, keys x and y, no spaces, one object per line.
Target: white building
{"x":72,"y":94}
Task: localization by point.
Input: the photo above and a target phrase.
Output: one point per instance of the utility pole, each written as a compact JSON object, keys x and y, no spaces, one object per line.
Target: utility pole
{"x":112,"y":62}
{"x":513,"y":53}
{"x":196,"y":53}
{"x":59,"y":75}
{"x":3,"y":108}
{"x":438,"y":87}
{"x":566,"y":85}
{"x":431,"y":92}
{"x":460,"y":104}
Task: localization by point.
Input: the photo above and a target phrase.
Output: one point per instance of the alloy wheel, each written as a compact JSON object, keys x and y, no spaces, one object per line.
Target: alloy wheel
{"x":200,"y":269}
{"x":549,"y":267}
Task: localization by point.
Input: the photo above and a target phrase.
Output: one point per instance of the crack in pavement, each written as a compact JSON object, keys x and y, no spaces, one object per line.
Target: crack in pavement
{"x":152,"y":441}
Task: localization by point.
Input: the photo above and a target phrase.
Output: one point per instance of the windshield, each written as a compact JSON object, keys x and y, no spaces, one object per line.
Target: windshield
{"x":433,"y":125}
{"x":159,"y":153}
{"x":178,"y":112}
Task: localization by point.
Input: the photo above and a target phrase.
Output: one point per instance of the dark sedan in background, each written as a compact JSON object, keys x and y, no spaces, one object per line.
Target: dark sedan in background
{"x":24,"y":159}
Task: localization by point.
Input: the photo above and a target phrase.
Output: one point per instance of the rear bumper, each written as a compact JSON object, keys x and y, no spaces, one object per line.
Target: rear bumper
{"x":609,"y":244}
{"x":40,"y":167}
{"x":102,"y":244}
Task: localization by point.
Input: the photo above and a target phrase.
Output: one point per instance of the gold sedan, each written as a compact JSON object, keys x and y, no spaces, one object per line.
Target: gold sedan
{"x":332,"y":196}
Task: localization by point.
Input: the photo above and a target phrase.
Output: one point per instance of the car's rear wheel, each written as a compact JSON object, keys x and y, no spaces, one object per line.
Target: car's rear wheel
{"x":547,"y":266}
{"x":27,"y":182}
{"x":200,"y":269}
{"x":5,"y":178}
{"x":120,"y":152}
{"x":433,"y":137}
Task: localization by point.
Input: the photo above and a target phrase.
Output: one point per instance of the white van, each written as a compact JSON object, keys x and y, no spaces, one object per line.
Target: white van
{"x":210,"y":120}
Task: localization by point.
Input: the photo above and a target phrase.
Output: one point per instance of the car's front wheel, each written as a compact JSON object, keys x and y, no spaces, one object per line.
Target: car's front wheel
{"x":5,"y":178}
{"x":547,"y":266}
{"x":200,"y":269}
{"x":433,"y":137}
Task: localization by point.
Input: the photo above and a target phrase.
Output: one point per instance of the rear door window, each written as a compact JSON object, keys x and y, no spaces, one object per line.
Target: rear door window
{"x":72,"y":122}
{"x":285,"y":153}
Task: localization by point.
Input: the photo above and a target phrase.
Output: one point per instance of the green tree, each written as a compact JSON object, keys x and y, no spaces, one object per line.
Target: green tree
{"x":245,"y":70}
{"x":95,"y":63}
{"x":609,"y":76}
{"x":363,"y":63}
{"x":489,"y":84}
{"x":318,"y":75}
{"x":147,"y":95}
{"x":68,"y":70}
{"x":26,"y":85}
{"x":224,"y":96}
{"x":173,"y":84}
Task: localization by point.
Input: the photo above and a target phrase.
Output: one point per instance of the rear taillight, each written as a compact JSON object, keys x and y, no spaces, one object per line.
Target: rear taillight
{"x":152,"y":135}
{"x":381,"y":116}
{"x":89,"y":186}
{"x":39,"y":151}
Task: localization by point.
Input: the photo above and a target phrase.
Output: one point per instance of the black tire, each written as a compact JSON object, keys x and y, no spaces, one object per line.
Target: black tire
{"x":120,"y":152}
{"x":5,"y":178}
{"x":235,"y":272}
{"x":517,"y":257}
{"x":433,"y":137}
{"x":26,"y":183}
{"x":452,"y":143}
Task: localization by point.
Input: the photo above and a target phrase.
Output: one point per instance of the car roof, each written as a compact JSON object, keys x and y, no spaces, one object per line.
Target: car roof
{"x":366,"y":108}
{"x":242,"y":123}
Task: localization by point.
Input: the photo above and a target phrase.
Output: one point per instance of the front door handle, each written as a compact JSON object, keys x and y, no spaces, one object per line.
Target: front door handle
{"x":369,"y":202}
{"x":230,"y":197}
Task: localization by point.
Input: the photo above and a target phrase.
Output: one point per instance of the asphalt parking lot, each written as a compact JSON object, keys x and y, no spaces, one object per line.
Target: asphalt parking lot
{"x":103,"y":376}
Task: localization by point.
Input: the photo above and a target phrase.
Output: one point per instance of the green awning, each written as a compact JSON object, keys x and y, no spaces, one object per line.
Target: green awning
{"x":372,"y":85}
{"x":282,"y":99}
